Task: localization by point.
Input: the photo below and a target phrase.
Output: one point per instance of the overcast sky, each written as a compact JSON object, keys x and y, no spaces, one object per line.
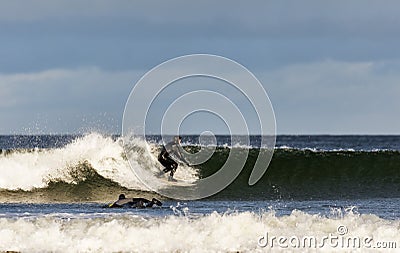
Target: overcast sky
{"x":329,"y":67}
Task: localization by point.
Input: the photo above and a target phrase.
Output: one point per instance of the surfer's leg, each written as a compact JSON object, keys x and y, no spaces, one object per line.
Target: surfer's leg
{"x":163,"y":162}
{"x":156,"y":201}
{"x":147,"y":203}
{"x":174,"y":166}
{"x":166,"y":163}
{"x":168,"y":168}
{"x":169,"y":165}
{"x":150,"y":204}
{"x":140,"y":202}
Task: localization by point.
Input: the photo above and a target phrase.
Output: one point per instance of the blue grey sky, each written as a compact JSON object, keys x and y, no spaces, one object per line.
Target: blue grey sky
{"x":329,"y":67}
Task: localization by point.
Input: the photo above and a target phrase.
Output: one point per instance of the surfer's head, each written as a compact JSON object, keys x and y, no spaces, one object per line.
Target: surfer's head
{"x":121,"y":196}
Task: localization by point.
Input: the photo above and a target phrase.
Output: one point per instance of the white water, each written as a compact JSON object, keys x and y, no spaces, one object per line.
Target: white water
{"x":34,"y":169}
{"x":209,"y":233}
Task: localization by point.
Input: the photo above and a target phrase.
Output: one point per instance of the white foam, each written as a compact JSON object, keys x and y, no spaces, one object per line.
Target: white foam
{"x":27,"y":170}
{"x":210,"y":233}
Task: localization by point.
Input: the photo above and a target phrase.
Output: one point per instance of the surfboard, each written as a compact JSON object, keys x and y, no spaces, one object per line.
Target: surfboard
{"x":165,"y":178}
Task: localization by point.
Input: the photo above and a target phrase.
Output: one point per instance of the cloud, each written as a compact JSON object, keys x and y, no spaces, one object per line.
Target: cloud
{"x":41,"y":35}
{"x":336,"y":97}
{"x":320,"y":97}
{"x":64,"y":100}
{"x":223,"y":18}
{"x":329,"y":66}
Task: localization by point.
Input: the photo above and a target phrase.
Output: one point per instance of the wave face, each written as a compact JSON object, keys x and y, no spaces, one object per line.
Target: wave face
{"x":94,"y":167}
{"x":215,"y":232}
{"x":306,"y":174}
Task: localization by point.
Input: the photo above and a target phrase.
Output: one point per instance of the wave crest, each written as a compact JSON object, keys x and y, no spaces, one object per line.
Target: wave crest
{"x":92,"y":153}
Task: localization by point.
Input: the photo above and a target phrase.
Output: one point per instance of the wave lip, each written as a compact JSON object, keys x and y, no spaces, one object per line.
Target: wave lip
{"x":32,"y":169}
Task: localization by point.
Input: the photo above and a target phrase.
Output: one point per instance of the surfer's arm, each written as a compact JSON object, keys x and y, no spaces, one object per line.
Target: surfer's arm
{"x":163,"y":154}
{"x":113,"y":205}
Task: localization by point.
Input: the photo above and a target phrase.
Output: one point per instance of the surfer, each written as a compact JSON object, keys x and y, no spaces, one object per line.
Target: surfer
{"x":165,"y":159}
{"x":135,"y":202}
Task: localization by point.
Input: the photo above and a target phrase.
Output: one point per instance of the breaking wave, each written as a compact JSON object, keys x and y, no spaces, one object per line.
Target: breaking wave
{"x":95,"y":168}
{"x":87,"y":168}
{"x":214,"y":232}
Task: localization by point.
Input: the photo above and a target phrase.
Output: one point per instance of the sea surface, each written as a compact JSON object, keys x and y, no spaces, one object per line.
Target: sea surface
{"x":320,"y":193}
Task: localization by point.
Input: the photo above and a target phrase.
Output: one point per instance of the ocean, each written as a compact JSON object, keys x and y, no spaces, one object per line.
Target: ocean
{"x":320,"y":193}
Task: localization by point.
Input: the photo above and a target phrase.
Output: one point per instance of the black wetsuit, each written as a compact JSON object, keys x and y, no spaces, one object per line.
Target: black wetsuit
{"x":165,"y":159}
{"x":136,"y":203}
